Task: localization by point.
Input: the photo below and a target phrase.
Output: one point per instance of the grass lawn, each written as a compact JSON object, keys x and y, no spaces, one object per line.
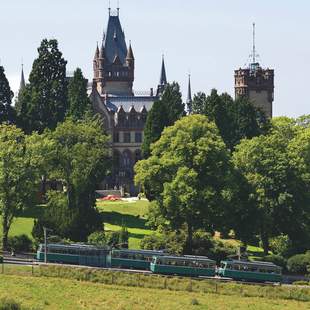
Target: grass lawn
{"x":53,"y":293}
{"x":130,"y":214}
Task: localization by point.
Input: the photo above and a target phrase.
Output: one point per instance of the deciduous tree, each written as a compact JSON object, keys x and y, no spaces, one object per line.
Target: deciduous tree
{"x":7,"y":112}
{"x":189,"y":175}
{"x":17,"y":176}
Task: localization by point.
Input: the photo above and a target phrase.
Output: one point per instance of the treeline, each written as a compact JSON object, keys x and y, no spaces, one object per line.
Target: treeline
{"x":51,"y":140}
{"x":227,"y":168}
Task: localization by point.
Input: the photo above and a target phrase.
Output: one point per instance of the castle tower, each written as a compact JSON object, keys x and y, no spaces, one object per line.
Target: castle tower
{"x":114,"y":66}
{"x":256,"y":83}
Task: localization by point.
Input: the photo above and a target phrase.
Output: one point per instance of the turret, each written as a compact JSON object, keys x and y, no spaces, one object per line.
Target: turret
{"x":95,"y":62}
{"x":130,"y":59}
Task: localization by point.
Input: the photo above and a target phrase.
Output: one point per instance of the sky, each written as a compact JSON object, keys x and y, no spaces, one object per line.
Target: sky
{"x":208,"y":38}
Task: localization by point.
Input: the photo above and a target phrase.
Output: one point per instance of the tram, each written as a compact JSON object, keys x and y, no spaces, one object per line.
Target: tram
{"x":254,"y":271}
{"x":188,"y":265}
{"x":75,"y":254}
{"x":133,"y":259}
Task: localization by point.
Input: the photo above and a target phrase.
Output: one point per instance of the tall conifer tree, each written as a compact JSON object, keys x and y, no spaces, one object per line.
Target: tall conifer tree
{"x":168,"y":109}
{"x":79,"y":103}
{"x":7,"y":112}
{"x":43,"y":103}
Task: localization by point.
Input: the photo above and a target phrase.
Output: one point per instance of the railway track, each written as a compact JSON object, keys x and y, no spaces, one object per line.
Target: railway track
{"x":34,"y":263}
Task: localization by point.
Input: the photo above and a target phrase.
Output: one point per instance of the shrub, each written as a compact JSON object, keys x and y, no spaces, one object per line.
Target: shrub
{"x":280,"y":245}
{"x":301,"y":283}
{"x":299,"y":263}
{"x":97,"y":237}
{"x":9,"y":304}
{"x":221,"y":251}
{"x":21,"y":243}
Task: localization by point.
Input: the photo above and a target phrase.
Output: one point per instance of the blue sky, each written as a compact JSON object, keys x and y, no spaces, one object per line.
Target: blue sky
{"x":208,"y":38}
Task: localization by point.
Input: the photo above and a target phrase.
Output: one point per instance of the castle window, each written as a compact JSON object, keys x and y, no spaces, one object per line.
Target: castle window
{"x":110,"y":73}
{"x":138,"y":137}
{"x":116,"y":137}
{"x":127,"y":137}
{"x":117,"y":73}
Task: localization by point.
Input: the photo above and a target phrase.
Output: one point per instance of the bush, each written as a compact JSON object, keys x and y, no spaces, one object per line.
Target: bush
{"x":97,"y":238}
{"x":21,"y":243}
{"x":9,"y":304}
{"x":172,"y":242}
{"x":280,"y":245}
{"x":301,"y":283}
{"x":299,"y":263}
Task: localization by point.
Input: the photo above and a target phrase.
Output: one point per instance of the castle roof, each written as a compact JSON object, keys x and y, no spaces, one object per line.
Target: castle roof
{"x":114,"y":40}
{"x":127,"y":102}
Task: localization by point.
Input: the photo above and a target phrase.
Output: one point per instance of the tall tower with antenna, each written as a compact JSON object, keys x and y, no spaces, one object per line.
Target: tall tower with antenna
{"x":255,"y":82}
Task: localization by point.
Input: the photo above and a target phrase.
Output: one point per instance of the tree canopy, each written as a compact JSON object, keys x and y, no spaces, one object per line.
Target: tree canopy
{"x":79,"y":159}
{"x":279,"y":190}
{"x":189,"y":181}
{"x":79,"y":105}
{"x":235,"y":119}
{"x":18,"y":177}
{"x":7,"y":112}
{"x":43,"y":102}
{"x":164,"y":112}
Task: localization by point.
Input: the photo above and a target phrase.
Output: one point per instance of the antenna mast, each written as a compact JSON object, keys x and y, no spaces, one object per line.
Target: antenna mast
{"x":254,"y":49}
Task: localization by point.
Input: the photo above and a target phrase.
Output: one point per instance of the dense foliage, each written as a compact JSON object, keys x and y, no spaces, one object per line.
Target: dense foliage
{"x":164,"y":112}
{"x":7,"y":112}
{"x":190,"y":181}
{"x":79,"y":105}
{"x":280,"y":190}
{"x":18,"y":176}
{"x":43,"y":102}
{"x":235,"y":119}
{"x":78,"y":159}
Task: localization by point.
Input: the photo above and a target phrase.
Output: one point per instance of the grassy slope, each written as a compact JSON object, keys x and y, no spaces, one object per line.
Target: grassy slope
{"x":43,"y":293}
{"x":130,"y":214}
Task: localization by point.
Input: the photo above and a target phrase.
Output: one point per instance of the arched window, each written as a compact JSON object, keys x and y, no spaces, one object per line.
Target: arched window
{"x":127,"y":159}
{"x":138,"y":155}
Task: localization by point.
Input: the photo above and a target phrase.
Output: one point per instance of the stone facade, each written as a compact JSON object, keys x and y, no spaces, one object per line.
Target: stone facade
{"x":257,"y":84}
{"x":124,"y":113}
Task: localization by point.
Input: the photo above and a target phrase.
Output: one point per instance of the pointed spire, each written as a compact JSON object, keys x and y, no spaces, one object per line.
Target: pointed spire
{"x":163,"y":77}
{"x":189,"y":96}
{"x":130,"y":53}
{"x":97,"y":52}
{"x":22,"y":80}
{"x":101,"y":53}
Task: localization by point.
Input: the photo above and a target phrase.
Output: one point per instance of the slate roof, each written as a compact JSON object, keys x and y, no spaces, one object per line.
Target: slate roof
{"x":114,"y":41}
{"x":113,"y":103}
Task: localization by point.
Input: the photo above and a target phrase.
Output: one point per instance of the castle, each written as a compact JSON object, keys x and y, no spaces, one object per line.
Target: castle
{"x":124,"y":112}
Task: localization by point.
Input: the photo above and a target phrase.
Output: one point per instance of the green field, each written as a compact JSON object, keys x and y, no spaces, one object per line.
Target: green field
{"x":130,"y":214}
{"x":53,"y":293}
{"x":115,"y":214}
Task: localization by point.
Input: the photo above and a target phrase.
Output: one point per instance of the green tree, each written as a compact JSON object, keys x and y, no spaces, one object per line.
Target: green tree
{"x":168,"y":109}
{"x":79,"y":159}
{"x":17,"y":176}
{"x":278,"y":190}
{"x":235,"y":119}
{"x":7,"y":112}
{"x":190,"y":181}
{"x":79,"y":103}
{"x":43,"y":102}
